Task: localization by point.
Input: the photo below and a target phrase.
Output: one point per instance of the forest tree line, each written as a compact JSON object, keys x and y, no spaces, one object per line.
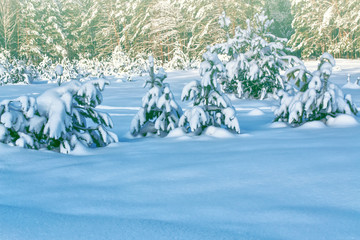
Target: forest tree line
{"x":34,"y":29}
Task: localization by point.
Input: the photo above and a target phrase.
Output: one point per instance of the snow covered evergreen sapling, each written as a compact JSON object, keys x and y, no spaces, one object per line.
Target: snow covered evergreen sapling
{"x":311,"y":97}
{"x":60,"y":119}
{"x":211,"y":107}
{"x":14,"y":71}
{"x":179,"y":59}
{"x":159,"y":113}
{"x":255,"y":58}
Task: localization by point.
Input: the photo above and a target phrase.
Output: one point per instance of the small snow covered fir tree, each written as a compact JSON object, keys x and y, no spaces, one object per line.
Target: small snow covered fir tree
{"x":14,"y":71}
{"x":159,"y":113}
{"x":310,"y":96}
{"x":60,"y":119}
{"x":120,"y":60}
{"x":254,"y":59}
{"x":211,"y":107}
{"x":179,"y":59}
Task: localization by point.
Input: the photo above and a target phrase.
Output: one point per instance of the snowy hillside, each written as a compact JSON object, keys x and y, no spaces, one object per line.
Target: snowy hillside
{"x":269,"y":182}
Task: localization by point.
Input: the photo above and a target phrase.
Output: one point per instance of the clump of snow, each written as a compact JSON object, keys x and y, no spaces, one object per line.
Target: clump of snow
{"x":176,"y":133}
{"x":313,"y":125}
{"x":218,"y":132}
{"x":352,"y":85}
{"x":256,"y":112}
{"x":278,"y":125}
{"x":343,"y":120}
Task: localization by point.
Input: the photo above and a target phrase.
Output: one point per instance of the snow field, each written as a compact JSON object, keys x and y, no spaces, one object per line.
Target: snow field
{"x":269,"y":182}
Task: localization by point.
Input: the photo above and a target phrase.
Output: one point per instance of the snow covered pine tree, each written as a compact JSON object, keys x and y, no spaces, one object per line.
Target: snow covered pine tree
{"x":311,"y":97}
{"x":60,"y":119}
{"x":211,"y":107}
{"x":254,"y":58}
{"x":15,"y":71}
{"x":159,"y":112}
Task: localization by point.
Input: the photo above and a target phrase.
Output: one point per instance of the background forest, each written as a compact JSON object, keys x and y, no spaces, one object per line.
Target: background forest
{"x":35,"y":29}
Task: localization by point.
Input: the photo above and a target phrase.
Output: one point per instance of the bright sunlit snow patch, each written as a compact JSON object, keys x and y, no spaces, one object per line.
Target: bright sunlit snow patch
{"x":218,"y":132}
{"x":278,"y":125}
{"x":313,"y":125}
{"x":176,"y":133}
{"x":256,"y":112}
{"x":342,"y":120}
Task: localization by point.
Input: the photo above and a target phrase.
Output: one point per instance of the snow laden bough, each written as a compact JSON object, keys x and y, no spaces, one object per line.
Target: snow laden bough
{"x":61,"y":119}
{"x":310,"y":96}
{"x":160,"y":112}
{"x":211,"y":107}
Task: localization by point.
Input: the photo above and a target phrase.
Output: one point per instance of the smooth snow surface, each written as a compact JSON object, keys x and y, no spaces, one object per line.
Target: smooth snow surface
{"x":271,"y":182}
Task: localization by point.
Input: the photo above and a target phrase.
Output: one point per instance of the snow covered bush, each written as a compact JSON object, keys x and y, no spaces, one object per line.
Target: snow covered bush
{"x":179,"y":60}
{"x":159,"y":113}
{"x":60,"y":119}
{"x":211,"y":107}
{"x":253,"y":59}
{"x":46,"y":70}
{"x":138,"y":65}
{"x":310,"y":96}
{"x":14,"y":71}
{"x":120,"y":60}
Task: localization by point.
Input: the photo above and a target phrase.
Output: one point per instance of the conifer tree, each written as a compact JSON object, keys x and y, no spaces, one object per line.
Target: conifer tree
{"x":211,"y":107}
{"x":159,"y":113}
{"x":60,"y":119}
{"x":310,"y":96}
{"x":255,"y":59}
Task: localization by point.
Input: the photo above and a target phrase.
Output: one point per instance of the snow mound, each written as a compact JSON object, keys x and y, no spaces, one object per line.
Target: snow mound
{"x":313,"y":125}
{"x":278,"y":125}
{"x":351,"y":85}
{"x":256,"y":112}
{"x":342,"y":120}
{"x":218,"y":132}
{"x":177,"y":132}
{"x":80,"y":150}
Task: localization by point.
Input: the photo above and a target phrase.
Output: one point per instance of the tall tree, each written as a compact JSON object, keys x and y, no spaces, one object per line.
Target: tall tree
{"x":8,"y":24}
{"x":280,"y":12}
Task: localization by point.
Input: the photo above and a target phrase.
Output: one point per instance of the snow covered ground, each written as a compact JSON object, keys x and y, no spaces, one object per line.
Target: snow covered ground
{"x":269,"y":182}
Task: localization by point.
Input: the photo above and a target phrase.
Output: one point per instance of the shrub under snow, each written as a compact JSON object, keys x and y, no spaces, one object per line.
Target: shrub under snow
{"x":60,"y":119}
{"x":15,"y":71}
{"x":211,"y":107}
{"x":159,"y":113}
{"x":311,"y":97}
